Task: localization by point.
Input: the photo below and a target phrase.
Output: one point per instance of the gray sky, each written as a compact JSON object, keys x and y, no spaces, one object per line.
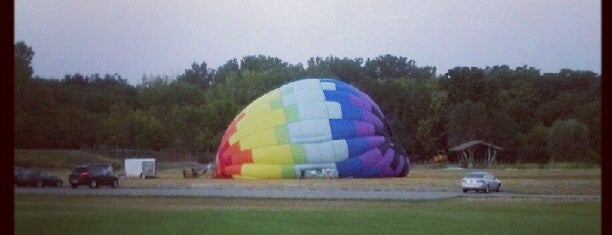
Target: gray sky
{"x":133,"y":38}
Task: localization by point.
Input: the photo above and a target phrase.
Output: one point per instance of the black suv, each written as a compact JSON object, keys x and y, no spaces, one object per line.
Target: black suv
{"x":93,"y":176}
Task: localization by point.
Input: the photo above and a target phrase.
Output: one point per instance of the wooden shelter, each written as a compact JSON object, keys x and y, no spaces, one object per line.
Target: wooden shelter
{"x":468,"y":155}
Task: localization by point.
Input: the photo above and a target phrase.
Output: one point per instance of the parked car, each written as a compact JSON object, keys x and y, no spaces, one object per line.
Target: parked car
{"x":93,"y":175}
{"x":480,"y":181}
{"x":17,"y":173}
{"x":35,"y":177}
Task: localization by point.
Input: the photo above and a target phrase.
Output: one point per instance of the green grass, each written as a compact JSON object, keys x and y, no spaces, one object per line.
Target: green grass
{"x":35,"y":214}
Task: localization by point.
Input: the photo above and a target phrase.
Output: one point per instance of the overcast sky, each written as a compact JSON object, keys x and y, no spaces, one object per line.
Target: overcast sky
{"x":133,"y":38}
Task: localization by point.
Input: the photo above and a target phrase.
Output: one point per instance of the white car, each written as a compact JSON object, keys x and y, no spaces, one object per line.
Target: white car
{"x":480,"y":181}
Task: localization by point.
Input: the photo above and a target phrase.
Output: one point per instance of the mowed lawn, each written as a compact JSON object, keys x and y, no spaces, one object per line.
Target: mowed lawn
{"x":47,"y":214}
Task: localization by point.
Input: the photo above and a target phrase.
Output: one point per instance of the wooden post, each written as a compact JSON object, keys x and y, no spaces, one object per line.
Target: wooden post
{"x":470,"y":158}
{"x":493,"y":158}
{"x":459,"y":158}
{"x":489,"y":156}
{"x":465,"y":158}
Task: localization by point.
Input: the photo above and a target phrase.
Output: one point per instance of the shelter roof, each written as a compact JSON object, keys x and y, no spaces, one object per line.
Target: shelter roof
{"x":470,"y":144}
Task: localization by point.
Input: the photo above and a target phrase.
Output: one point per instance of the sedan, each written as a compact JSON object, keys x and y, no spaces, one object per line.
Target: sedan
{"x":480,"y":181}
{"x":34,"y":177}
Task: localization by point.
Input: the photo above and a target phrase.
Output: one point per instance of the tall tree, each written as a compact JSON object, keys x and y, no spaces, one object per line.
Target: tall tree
{"x":531,"y":145}
{"x":119,"y":127}
{"x":23,"y":55}
{"x":568,"y":141}
{"x":231,"y":66}
{"x":468,"y":84}
{"x":345,"y":69}
{"x":389,"y":66}
{"x":432,"y":130}
{"x":198,"y":75}
{"x":523,"y":101}
{"x":23,"y":64}
{"x":466,"y":122}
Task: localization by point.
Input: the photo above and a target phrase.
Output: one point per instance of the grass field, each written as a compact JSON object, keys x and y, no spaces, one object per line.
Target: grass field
{"x":71,"y":214}
{"x":35,"y":214}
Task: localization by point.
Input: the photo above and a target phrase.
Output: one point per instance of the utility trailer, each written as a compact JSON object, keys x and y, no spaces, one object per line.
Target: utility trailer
{"x":140,"y":167}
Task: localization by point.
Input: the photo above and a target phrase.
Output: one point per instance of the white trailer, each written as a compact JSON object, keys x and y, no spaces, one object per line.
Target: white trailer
{"x":140,"y":167}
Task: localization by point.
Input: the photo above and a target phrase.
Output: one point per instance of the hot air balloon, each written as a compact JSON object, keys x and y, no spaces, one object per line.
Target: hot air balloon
{"x":311,"y":125}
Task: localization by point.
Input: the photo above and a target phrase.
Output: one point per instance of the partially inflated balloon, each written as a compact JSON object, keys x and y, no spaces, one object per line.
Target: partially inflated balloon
{"x":309,"y":125}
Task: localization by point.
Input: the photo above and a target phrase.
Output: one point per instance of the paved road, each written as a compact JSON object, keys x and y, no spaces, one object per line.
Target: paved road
{"x":286,"y":192}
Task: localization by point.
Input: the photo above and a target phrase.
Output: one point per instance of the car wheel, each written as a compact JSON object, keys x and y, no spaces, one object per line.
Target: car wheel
{"x":40,"y":184}
{"x":115,"y":183}
{"x":498,"y":188}
{"x":464,"y":190}
{"x":486,"y":189}
{"x":93,"y":184}
{"x":74,"y":185}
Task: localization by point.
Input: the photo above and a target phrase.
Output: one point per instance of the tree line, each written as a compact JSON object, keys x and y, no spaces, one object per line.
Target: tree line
{"x":534,"y":116}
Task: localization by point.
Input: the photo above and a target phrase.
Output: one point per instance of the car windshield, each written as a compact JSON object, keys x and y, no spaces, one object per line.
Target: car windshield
{"x":97,"y":170}
{"x":479,"y":176}
{"x":79,"y":170}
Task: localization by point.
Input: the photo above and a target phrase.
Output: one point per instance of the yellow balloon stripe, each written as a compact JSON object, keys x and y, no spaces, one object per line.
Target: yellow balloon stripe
{"x":275,"y":155}
{"x":264,"y":100}
{"x":269,"y":121}
{"x":241,"y":177}
{"x":262,"y":171}
{"x":263,"y":138}
{"x":260,"y":108}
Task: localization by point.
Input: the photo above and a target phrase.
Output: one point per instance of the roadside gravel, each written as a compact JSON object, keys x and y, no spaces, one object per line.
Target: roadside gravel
{"x":291,"y":192}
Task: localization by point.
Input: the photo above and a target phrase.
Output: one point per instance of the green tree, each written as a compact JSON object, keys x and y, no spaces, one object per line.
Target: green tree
{"x":119,"y":127}
{"x":231,"y":66}
{"x":389,"y":66}
{"x":432,"y":130}
{"x":38,"y":115}
{"x":148,"y":131}
{"x":466,"y":122}
{"x":568,"y":141}
{"x":590,"y":114}
{"x":185,"y":129}
{"x":261,"y":63}
{"x":533,"y":145}
{"x":523,"y":102}
{"x":198,"y":75}
{"x":218,"y":114}
{"x":23,"y":55}
{"x":563,"y":107}
{"x":23,"y":71}
{"x":465,"y":83}
{"x":345,"y":69}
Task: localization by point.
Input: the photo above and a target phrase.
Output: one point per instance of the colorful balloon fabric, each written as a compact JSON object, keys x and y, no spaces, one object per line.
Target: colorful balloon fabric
{"x":309,"y":126}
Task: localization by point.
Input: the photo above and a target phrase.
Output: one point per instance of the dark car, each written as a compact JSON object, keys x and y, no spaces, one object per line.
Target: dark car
{"x":18,"y":171}
{"x":35,"y":177}
{"x":93,"y":176}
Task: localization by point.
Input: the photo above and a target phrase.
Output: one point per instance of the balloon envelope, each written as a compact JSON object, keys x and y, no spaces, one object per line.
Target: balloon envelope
{"x":310,"y":128}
